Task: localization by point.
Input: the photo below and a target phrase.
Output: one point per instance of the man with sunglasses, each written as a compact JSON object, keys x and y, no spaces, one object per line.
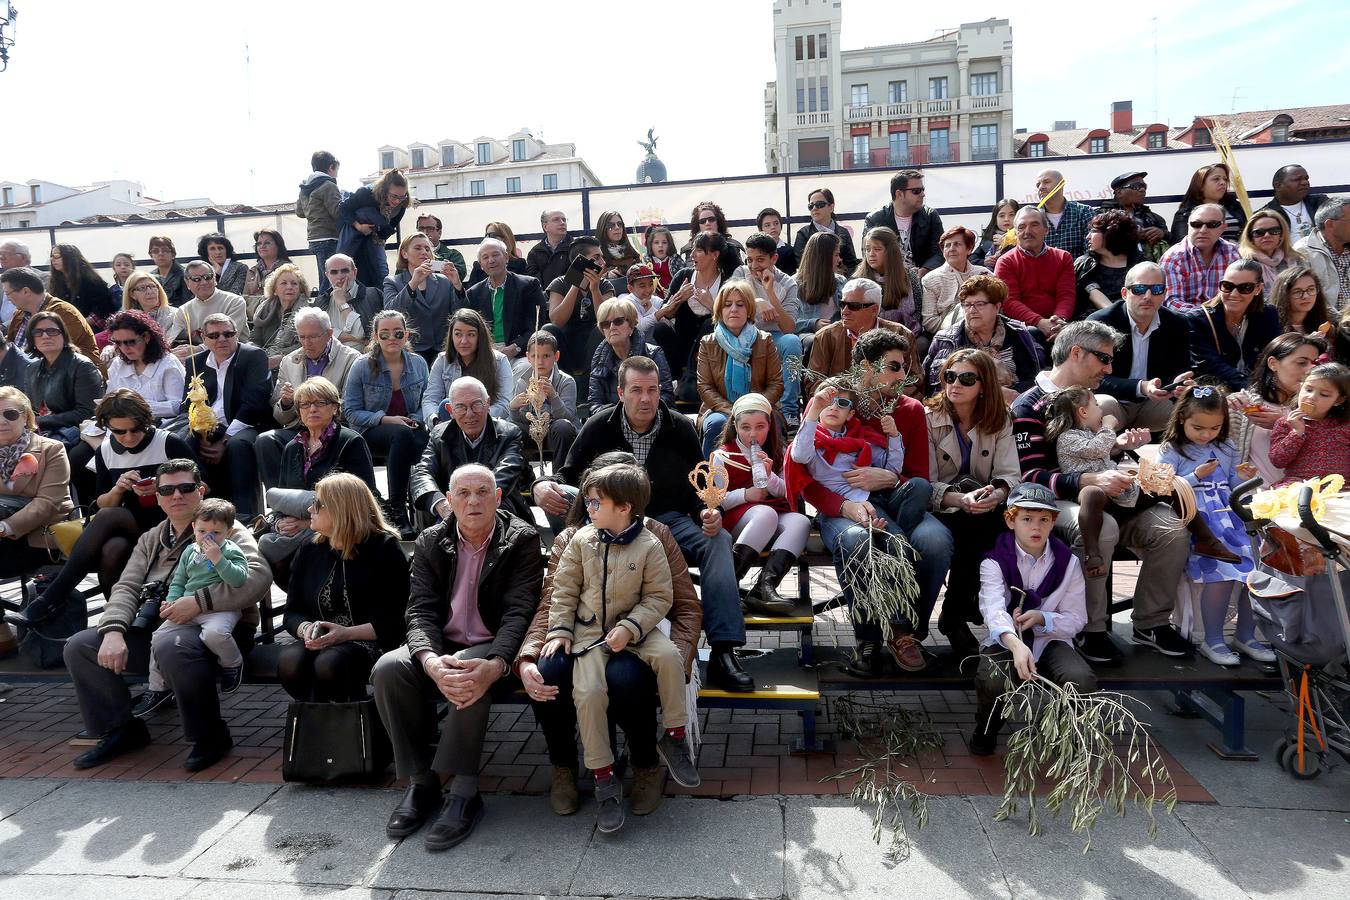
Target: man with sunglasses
{"x":350,"y":304}
{"x":98,"y":657}
{"x":207,"y":299}
{"x":918,"y":226}
{"x":859,"y":313}
{"x":238,"y":384}
{"x":1194,"y":267}
{"x":1128,"y":194}
{"x":1152,"y":366}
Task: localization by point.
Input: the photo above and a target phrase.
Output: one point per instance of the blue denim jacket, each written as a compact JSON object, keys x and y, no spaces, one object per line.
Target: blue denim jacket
{"x":366,"y":396}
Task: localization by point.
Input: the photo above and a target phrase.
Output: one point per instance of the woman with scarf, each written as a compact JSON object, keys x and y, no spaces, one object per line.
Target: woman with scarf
{"x":735,"y":360}
{"x":1265,"y":238}
{"x":274,"y":321}
{"x":34,"y":488}
{"x":618,"y":251}
{"x":271,"y":249}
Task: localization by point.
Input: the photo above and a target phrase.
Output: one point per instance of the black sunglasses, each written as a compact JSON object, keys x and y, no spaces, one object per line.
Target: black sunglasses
{"x":1104,"y":358}
{"x":1244,"y":289}
{"x":892,"y":367}
{"x":139,"y":429}
{"x":218,"y":335}
{"x":391,"y":336}
{"x":1140,"y":290}
{"x":968,"y":379}
{"x":1274,"y":230}
{"x":187,"y":487}
{"x":817,"y":204}
{"x":128,"y":342}
{"x":1196,"y":223}
{"x":12,"y":415}
{"x":706,"y":219}
{"x":855,"y":306}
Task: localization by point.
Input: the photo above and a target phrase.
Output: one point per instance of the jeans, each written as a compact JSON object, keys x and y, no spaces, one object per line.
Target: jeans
{"x":718,"y":591}
{"x":789,"y":350}
{"x":322,"y":250}
{"x":713,"y":423}
{"x":632,"y":706}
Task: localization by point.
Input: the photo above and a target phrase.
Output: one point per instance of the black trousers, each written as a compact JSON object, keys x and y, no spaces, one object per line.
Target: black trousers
{"x":973,"y":536}
{"x":632,"y":706}
{"x":336,"y":674}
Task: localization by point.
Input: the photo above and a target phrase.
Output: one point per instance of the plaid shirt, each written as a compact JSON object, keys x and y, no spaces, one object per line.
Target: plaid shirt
{"x":1189,"y":281}
{"x":641,"y":443}
{"x":1341,"y":263}
{"x":1070,"y":235}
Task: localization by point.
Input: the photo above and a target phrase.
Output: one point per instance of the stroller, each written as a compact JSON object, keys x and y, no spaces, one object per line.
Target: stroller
{"x":1306,"y":621}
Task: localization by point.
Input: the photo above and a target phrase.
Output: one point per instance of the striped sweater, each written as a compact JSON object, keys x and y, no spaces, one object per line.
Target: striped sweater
{"x":1036,"y":455}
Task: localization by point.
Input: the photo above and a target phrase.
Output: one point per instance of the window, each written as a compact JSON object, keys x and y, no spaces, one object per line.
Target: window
{"x":1097,"y":145}
{"x":897,"y":92}
{"x":937,"y":88}
{"x":447,"y":156}
{"x":419,"y":158}
{"x":899,"y":149}
{"x":386,"y":159}
{"x":518,"y":149}
{"x":1156,"y":140}
{"x":939,"y":145}
{"x":811,"y":96}
{"x":810,"y":46}
{"x":9,"y":196}
{"x":484,"y":153}
{"x":36,"y":191}
{"x":551,"y":181}
{"x":798,"y":41}
{"x":442,"y":191}
{"x":24,"y":223}
{"x":813,"y":153}
{"x":824,"y":92}
{"x":984,"y":84}
{"x":824,"y":45}
{"x":1279,"y":134}
{"x":984,"y":142}
{"x":1037,"y":148}
{"x":477,"y":188}
{"x":860,"y":149}
{"x":513,"y":185}
{"x":801,"y":95}
{"x":1200,"y":138}
{"x":859,"y":95}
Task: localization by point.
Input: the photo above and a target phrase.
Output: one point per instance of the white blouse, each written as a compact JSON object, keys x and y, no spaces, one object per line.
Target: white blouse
{"x":161,"y":384}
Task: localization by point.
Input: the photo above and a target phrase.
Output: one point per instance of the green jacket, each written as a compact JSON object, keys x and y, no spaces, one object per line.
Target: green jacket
{"x":195,"y":571}
{"x":447,"y":253}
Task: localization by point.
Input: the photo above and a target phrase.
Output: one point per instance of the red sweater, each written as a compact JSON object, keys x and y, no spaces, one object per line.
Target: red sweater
{"x":1038,"y":286}
{"x":912,"y":423}
{"x":1322,"y":449}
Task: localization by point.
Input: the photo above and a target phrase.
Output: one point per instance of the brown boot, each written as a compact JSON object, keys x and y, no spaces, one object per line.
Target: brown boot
{"x":562,"y":795}
{"x":1206,"y":544}
{"x":646,"y":795}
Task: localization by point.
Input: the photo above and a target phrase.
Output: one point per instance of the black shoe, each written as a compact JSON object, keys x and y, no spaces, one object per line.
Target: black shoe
{"x":1098,"y":648}
{"x":206,"y":753}
{"x":725,"y":672}
{"x":123,"y":739}
{"x":230,"y":678}
{"x":984,"y":739}
{"x":962,"y":639}
{"x":149,"y":702}
{"x":34,"y":614}
{"x":458,"y":818}
{"x":764,"y":596}
{"x":417,"y":805}
{"x":1165,"y":639}
{"x":867,"y":661}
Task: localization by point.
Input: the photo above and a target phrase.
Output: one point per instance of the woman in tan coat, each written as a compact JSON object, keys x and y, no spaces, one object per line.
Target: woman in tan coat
{"x":735,"y":360}
{"x":972,"y":464}
{"x":34,"y":488}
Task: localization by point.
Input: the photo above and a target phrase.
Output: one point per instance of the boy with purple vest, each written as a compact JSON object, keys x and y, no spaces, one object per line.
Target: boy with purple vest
{"x":1033,"y":599}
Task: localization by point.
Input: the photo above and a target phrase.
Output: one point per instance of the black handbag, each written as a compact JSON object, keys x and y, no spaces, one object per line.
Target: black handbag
{"x":44,"y":645}
{"x":334,"y":741}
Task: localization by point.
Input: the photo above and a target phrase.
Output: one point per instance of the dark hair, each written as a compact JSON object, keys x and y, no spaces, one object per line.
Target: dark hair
{"x":826,"y":193}
{"x":174,"y":466}
{"x":621,"y":483}
{"x":23,"y":277}
{"x":629,"y":255}
{"x":1280,"y":298}
{"x":763,"y":243}
{"x":815,"y":270}
{"x":214,"y":237}
{"x":894,"y":280}
{"x":991,"y":231}
{"x":374,"y":352}
{"x":876,"y":343}
{"x":1258,"y":299}
{"x":216,"y":510}
{"x":580,"y":244}
{"x":652,"y":231}
{"x":1282,"y":173}
{"x":124,"y":403}
{"x":991,"y":410}
{"x":322,"y":161}
{"x":162,"y":240}
{"x":710,"y":242}
{"x":275,"y":235}
{"x":1339,"y":376}
{"x":773,"y":445}
{"x":1263,"y":381}
{"x":1197,"y":398}
{"x":143,"y":324}
{"x":484,"y":365}
{"x":78,"y":272}
{"x":717,"y":211}
{"x":427,"y":215}
{"x":1119,"y":233}
{"x":576,"y":513}
{"x":900,"y":180}
{"x":644,"y":364}
{"x":31,"y":340}
{"x":1195,"y":192}
{"x":1061,"y":413}
{"x":764,"y":214}
{"x":543,"y":339}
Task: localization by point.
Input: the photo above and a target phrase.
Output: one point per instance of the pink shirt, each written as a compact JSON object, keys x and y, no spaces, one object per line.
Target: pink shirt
{"x":465,"y":625}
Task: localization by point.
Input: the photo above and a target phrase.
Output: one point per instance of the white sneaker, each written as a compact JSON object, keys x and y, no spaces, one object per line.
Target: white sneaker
{"x":1254,"y":650}
{"x":1220,"y":655}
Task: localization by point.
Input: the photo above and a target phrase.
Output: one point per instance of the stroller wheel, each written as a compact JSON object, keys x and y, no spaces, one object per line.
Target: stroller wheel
{"x":1281,"y":745}
{"x":1312,"y":763}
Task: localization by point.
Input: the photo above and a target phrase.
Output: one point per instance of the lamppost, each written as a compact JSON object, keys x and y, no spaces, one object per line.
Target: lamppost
{"x":7,"y":19}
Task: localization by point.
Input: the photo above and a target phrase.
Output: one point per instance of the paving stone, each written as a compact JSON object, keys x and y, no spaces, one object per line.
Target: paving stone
{"x":233,"y":890}
{"x":65,"y":887}
{"x":1301,"y":853}
{"x":16,"y":793}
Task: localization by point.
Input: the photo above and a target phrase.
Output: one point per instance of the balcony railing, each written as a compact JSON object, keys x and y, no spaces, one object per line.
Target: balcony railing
{"x":813,"y":118}
{"x":983,"y":154}
{"x":873,"y":111}
{"x":938,"y":106}
{"x":985,"y":101}
{"x":879,"y":158}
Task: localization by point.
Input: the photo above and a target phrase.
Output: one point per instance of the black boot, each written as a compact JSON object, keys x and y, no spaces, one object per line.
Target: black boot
{"x":984,"y":739}
{"x":764,"y":596}
{"x":743,"y":556}
{"x":725,"y":672}
{"x":42,"y":607}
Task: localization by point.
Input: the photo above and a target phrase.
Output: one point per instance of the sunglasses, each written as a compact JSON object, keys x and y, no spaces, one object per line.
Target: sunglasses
{"x":218,"y":335}
{"x":1244,"y":289}
{"x":891,"y":367}
{"x":200,"y":278}
{"x":12,"y":415}
{"x":854,"y":306}
{"x":1196,"y":223}
{"x":46,"y":332}
{"x":610,"y":323}
{"x":842,"y":402}
{"x":967,"y":379}
{"x":915,"y":191}
{"x":1134,"y":186}
{"x":167,"y":490}
{"x":1104,"y":358}
{"x":126,"y":342}
{"x":139,"y":429}
{"x":817,"y":204}
{"x":1140,"y":290}
{"x":317,"y":505}
{"x":391,"y":335}
{"x":706,"y":219}
{"x":1275,"y":231}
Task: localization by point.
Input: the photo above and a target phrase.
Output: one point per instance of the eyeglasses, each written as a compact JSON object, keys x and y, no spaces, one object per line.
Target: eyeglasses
{"x":917,"y":192}
{"x":1302,"y":293}
{"x":198,"y":279}
{"x":11,"y":415}
{"x":592,"y":504}
{"x":610,"y":323}
{"x":817,"y":204}
{"x":126,"y":342}
{"x":391,"y":335}
{"x":1196,"y":223}
{"x":460,"y":409}
{"x":891,"y":367}
{"x":137,"y":429}
{"x":398,"y":198}
{"x":1274,"y":230}
{"x":967,"y":379}
{"x":1244,"y":289}
{"x":46,"y":332}
{"x":1134,"y":186}
{"x":314,"y":404}
{"x":147,"y":286}
{"x":218,"y":335}
{"x":1104,"y":358}
{"x":976,"y":305}
{"x":339,"y":271}
{"x":706,"y":219}
{"x":317,"y":505}
{"x":187,"y":487}
{"x":842,"y":402}
{"x":1140,"y":290}
{"x":854,"y":306}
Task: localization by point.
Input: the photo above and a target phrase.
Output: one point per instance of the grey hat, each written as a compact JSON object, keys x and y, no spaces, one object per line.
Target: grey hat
{"x":1032,"y":496}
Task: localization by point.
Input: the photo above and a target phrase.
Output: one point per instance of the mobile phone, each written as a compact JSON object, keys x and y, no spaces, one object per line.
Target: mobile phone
{"x":318,"y":631}
{"x":1174,"y":385}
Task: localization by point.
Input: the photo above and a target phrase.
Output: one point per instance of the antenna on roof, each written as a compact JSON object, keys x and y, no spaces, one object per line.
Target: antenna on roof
{"x":1156,"y":117}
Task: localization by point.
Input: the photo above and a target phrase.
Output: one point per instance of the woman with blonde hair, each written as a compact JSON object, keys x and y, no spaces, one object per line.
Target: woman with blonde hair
{"x":286,"y":292}
{"x":422,"y":294}
{"x":347,"y":595}
{"x":617,"y":320}
{"x":735,"y":360}
{"x":34,"y":487}
{"x":1265,"y":238}
{"x":144,"y":292}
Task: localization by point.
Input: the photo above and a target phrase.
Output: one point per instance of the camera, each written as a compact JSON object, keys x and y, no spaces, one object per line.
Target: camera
{"x":152,"y":595}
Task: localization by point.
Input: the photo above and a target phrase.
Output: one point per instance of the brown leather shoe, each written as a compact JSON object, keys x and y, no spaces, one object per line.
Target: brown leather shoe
{"x":562,"y":795}
{"x":646,"y":795}
{"x":1214,"y":550}
{"x":905,"y":648}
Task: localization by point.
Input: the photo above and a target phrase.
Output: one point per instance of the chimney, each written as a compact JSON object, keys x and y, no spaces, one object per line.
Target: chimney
{"x":1122,"y":116}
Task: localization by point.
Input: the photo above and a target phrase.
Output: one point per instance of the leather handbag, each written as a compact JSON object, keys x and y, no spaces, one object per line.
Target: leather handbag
{"x":334,"y":741}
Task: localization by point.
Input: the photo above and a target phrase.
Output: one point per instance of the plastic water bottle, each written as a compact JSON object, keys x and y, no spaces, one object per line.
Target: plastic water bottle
{"x":758,"y":475}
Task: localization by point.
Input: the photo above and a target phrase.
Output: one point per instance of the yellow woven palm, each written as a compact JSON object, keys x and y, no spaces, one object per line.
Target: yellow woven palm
{"x":201,"y":417}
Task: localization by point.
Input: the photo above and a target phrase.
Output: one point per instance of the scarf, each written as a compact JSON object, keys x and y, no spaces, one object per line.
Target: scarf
{"x":857,"y":438}
{"x":310,"y":456}
{"x":9,"y":457}
{"x":1270,"y":265}
{"x":738,"y":350}
{"x":1005,"y":554}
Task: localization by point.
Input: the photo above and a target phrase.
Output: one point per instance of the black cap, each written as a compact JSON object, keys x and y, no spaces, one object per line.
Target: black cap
{"x":1121,"y":180}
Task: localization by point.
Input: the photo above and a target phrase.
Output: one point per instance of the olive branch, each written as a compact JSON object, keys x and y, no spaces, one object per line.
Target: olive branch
{"x":879,"y":574}
{"x":874,"y":400}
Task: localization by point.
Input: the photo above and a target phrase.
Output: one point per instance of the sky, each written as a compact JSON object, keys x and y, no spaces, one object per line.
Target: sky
{"x":228,"y":100}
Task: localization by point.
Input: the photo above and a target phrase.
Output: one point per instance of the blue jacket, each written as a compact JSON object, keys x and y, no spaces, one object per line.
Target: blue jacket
{"x":366,"y":396}
{"x":361,"y":206}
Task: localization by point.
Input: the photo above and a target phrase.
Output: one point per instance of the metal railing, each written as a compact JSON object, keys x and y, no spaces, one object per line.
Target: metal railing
{"x":813,"y":118}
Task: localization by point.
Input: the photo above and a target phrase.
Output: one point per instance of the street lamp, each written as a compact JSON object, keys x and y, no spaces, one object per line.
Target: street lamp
{"x":10,"y":16}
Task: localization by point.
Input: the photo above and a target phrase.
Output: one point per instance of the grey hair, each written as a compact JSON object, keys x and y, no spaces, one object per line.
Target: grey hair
{"x":471,"y":469}
{"x":1214,"y":206}
{"x":314,"y":313}
{"x":18,"y":247}
{"x":1330,"y":211}
{"x":1028,"y":208}
{"x":871,"y":290}
{"x":197,"y":264}
{"x":468,"y":381}
{"x":218,"y":317}
{"x":488,"y":243}
{"x":543,"y":216}
{"x":351,"y":262}
{"x":1138,"y":269}
{"x":1086,"y":334}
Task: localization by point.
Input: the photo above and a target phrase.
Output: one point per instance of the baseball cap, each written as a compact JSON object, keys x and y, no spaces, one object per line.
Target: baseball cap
{"x":1032,"y":496}
{"x":1121,"y":180}
{"x":640,"y":270}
